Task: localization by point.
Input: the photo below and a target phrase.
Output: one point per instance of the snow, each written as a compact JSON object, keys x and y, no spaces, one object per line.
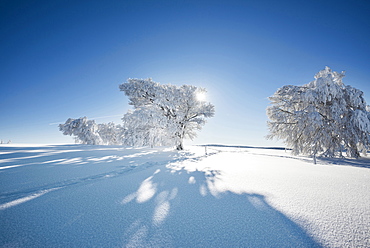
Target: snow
{"x":110,"y":196}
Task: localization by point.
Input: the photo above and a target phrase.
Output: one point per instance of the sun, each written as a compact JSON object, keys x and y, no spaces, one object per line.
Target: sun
{"x":201,"y":96}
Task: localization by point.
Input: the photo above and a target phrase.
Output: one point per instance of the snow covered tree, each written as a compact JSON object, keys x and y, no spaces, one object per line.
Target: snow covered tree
{"x":110,"y":133}
{"x":321,"y":117}
{"x":163,"y":114}
{"x":86,"y":131}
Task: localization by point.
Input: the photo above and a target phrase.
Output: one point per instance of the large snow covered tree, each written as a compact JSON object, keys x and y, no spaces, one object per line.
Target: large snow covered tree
{"x":88,"y":132}
{"x":163,"y":115}
{"x":321,"y":117}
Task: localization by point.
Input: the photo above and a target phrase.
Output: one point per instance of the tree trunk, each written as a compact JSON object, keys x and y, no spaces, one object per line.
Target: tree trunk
{"x":181,"y":135}
{"x":353,"y":151}
{"x":341,"y":151}
{"x":180,"y":147}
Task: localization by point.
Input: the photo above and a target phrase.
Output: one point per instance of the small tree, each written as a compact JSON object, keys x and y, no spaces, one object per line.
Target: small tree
{"x":86,"y":131}
{"x":163,"y":114}
{"x":321,"y":117}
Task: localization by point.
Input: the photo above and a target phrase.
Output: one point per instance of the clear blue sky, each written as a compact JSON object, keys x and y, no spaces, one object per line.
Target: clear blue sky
{"x":61,"y":59}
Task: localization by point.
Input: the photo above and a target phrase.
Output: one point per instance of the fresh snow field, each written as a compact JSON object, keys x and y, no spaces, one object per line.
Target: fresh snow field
{"x":109,"y":196}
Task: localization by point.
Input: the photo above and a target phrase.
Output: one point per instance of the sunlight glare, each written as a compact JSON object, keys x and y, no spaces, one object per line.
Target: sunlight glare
{"x":201,"y":96}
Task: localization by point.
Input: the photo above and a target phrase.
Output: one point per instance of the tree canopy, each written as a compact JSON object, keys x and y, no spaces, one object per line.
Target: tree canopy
{"x":321,"y":117}
{"x":163,"y":114}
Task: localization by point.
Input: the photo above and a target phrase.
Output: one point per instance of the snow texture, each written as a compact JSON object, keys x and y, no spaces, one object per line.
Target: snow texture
{"x":109,"y":196}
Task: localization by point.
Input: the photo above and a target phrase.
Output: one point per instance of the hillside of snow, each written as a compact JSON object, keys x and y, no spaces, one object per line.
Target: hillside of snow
{"x":110,"y":196}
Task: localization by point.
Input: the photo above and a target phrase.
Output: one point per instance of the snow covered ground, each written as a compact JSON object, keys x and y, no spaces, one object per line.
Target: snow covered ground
{"x":108,"y":196}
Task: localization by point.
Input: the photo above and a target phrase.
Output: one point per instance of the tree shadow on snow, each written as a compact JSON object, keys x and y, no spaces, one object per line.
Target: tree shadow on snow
{"x":25,"y":172}
{"x":363,"y":162}
{"x":178,"y":208}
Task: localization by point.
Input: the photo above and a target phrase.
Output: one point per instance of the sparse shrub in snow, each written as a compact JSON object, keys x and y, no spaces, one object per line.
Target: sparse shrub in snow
{"x":321,"y":117}
{"x":163,"y":114}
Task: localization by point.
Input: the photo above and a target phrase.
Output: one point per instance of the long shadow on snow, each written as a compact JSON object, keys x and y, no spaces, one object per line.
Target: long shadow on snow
{"x":362,"y":162}
{"x":184,"y":212}
{"x":30,"y":154}
{"x":73,"y":167}
{"x":66,"y":155}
